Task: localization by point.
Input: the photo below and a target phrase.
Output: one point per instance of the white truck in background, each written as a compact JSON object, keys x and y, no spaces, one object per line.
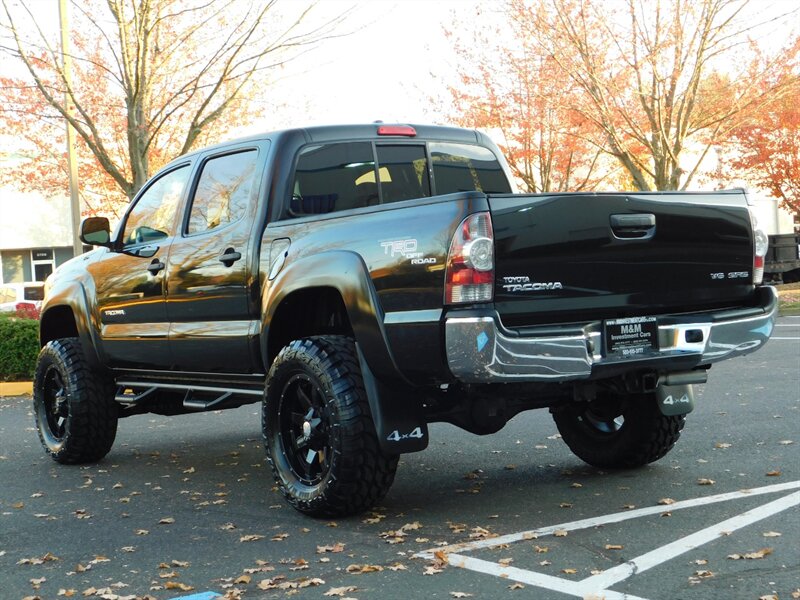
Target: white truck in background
{"x":782,"y":262}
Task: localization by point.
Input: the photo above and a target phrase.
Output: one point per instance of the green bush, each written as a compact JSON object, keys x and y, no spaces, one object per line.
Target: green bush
{"x":19,"y":347}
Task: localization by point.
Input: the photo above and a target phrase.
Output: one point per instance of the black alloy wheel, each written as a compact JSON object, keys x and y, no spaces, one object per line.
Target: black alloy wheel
{"x":305,"y":429}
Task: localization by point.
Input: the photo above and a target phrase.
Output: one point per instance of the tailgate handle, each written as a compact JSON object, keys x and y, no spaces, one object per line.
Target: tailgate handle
{"x":633,"y":227}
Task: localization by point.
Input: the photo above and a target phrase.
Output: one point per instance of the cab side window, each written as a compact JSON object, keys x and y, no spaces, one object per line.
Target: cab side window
{"x":153,"y":216}
{"x":223,"y":191}
{"x":462,"y":168}
{"x":334,"y":177}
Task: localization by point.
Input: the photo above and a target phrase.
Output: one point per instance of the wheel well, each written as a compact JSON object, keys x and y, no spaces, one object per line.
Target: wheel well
{"x":313,"y":311}
{"x":57,"y":323}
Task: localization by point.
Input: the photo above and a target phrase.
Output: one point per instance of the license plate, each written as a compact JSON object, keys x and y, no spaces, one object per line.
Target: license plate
{"x":631,"y":337}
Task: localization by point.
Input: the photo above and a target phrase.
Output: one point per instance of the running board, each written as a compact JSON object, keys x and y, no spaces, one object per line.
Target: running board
{"x":133,"y":394}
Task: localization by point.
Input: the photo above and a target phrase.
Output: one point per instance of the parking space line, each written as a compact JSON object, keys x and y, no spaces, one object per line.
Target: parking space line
{"x":611,"y":518}
{"x":685,"y":544}
{"x":548,"y":582}
{"x":784,"y":338}
{"x":598,"y":584}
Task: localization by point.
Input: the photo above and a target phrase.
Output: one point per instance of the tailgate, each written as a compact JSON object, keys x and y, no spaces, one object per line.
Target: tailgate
{"x":575,"y":257}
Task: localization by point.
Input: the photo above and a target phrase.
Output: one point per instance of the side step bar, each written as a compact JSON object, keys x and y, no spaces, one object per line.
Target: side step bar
{"x":197,"y":397}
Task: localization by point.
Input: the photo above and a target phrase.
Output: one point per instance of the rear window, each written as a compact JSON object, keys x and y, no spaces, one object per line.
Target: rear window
{"x":462,"y":168}
{"x":347,"y":175}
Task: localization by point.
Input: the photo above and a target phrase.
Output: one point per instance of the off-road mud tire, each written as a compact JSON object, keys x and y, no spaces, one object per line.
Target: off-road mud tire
{"x":74,"y":409}
{"x":345,"y":471}
{"x":644,"y":436}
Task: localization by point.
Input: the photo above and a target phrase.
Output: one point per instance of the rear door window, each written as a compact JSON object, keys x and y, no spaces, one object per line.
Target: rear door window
{"x":223,"y":191}
{"x":462,"y":168}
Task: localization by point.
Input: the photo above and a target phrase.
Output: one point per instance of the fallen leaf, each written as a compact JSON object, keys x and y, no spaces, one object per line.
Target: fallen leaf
{"x":771,"y":534}
{"x":565,"y":505}
{"x":560,"y":533}
{"x":774,"y":473}
{"x":460,"y":595}
{"x":253,"y":537}
{"x":360,"y":569}
{"x":279,"y":537}
{"x":785,"y":442}
{"x":614,"y":546}
{"x":722,"y":445}
{"x":169,"y":575}
{"x":440,"y":559}
{"x":505,"y":561}
{"x":628,"y":506}
{"x":768,"y":597}
{"x":545,"y":563}
{"x":516,"y":586}
{"x":541,"y":549}
{"x":128,"y":548}
{"x":397,"y":567}
{"x":180,"y":563}
{"x":340,"y":591}
{"x":338,"y":547}
{"x":752,"y":555}
{"x":666,"y":501}
{"x":705,"y":481}
{"x":166,"y":521}
{"x":177,"y":585}
{"x":701,"y":561}
{"x":431,"y":570}
{"x":704,"y":574}
{"x":569,"y":571}
{"x":141,"y":532}
{"x":242,"y":580}
{"x":18,"y":505}
{"x":67,"y":593}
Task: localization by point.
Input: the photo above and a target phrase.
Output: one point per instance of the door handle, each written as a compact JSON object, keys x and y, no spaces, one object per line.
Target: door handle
{"x":633,"y":227}
{"x":155,"y":266}
{"x":229,"y":257}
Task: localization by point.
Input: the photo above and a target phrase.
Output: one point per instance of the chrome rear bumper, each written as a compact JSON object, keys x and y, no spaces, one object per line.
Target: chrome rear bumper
{"x":479,"y":350}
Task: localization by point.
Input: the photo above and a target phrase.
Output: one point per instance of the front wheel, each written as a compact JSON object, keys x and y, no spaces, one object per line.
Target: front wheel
{"x":75,"y":413}
{"x":319,"y":435}
{"x":618,"y":432}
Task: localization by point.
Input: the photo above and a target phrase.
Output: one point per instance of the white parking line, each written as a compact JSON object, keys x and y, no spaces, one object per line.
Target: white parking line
{"x":612,"y":518}
{"x":690,"y":542}
{"x":785,"y":338}
{"x":599,"y":584}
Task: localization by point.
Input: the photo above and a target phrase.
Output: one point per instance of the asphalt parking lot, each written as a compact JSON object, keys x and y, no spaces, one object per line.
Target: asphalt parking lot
{"x":185,"y":507}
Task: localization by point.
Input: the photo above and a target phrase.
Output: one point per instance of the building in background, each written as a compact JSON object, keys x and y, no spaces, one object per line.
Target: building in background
{"x":35,"y":235}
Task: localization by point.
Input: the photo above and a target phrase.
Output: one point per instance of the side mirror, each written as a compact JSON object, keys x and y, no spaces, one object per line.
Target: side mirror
{"x":95,"y":231}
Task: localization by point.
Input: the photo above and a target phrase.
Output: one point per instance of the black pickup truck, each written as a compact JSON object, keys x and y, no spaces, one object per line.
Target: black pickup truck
{"x":365,"y":281}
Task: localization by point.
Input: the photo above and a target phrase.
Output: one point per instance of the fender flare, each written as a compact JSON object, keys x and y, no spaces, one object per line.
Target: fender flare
{"x":345,"y":272}
{"x":74,"y":296}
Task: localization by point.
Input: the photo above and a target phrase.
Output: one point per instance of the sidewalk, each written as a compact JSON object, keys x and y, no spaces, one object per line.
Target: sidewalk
{"x":16,"y":388}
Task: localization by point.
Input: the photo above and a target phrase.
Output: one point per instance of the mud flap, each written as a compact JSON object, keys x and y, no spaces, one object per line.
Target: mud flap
{"x":396,"y":412}
{"x":675,"y":399}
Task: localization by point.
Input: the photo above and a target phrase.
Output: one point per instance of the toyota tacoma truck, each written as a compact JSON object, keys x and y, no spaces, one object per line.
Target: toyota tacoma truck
{"x":362,"y":282}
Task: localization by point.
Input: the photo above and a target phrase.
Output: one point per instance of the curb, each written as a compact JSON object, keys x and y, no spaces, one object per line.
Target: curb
{"x":16,"y":388}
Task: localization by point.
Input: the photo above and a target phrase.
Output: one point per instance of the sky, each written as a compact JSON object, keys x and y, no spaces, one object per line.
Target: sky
{"x":382,"y":71}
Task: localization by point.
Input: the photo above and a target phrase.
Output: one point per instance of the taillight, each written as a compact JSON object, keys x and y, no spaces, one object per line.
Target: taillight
{"x":760,"y":245}
{"x":470,"y":263}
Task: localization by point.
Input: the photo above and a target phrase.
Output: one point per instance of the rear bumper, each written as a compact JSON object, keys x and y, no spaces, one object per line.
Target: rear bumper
{"x":480,"y":350}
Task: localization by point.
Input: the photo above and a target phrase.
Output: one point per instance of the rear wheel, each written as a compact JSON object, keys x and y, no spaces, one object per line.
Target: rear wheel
{"x":75,"y":413}
{"x":318,"y":431}
{"x":618,"y":432}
